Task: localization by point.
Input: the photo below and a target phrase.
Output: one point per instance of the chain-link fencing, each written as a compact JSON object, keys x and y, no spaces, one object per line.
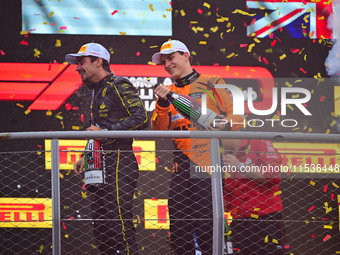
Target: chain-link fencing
{"x":280,"y":197}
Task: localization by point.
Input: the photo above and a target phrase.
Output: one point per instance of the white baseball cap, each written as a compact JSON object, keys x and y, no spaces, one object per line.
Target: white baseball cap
{"x":168,"y":48}
{"x":89,"y":49}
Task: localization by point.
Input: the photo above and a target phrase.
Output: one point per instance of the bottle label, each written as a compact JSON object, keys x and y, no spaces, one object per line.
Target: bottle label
{"x":94,"y":163}
{"x":206,"y":119}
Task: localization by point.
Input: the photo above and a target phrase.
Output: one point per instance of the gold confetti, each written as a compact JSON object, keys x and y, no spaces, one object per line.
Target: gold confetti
{"x":41,"y":248}
{"x":328,"y":226}
{"x":84,"y":194}
{"x":200,"y":29}
{"x":288,"y":84}
{"x":255,"y":216}
{"x":283,"y":56}
{"x":20,"y":105}
{"x":59,"y":117}
{"x":122,"y":33}
{"x":227,"y":68}
{"x":335,"y":185}
{"x":151,"y":63}
{"x":257,"y":40}
{"x":205,"y":4}
{"x":243,"y":13}
{"x":151,"y":8}
{"x":214,"y":29}
{"x":206,"y":35}
{"x":66,"y":236}
{"x":231,"y":55}
{"x":36,"y":53}
{"x":75,"y":127}
{"x":61,"y":175}
{"x":266,"y":239}
{"x":278,"y":193}
{"x":312,"y":183}
{"x":203,"y":42}
{"x":27,"y":111}
{"x":49,"y":113}
{"x":24,"y":32}
{"x":182,"y":12}
{"x":275,"y":241}
{"x":50,"y":15}
{"x":251,"y":46}
{"x":57,"y":43}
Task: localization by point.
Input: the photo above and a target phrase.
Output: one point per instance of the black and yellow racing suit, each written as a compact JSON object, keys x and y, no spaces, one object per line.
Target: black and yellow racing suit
{"x":116,"y":106}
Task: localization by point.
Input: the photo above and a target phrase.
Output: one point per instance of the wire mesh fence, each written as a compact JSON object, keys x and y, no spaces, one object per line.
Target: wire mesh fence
{"x":293,"y":211}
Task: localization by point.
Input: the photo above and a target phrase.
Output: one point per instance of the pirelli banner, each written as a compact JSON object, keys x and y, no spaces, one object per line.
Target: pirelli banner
{"x":25,"y":212}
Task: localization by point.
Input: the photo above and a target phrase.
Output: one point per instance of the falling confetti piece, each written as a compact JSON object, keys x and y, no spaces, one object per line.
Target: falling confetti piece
{"x":63,"y":28}
{"x":326,"y":238}
{"x":64,"y":226}
{"x":182,"y":12}
{"x":328,"y":226}
{"x":302,"y":70}
{"x":23,"y":42}
{"x":278,"y":193}
{"x":325,"y":188}
{"x":20,"y":105}
{"x":205,"y":4}
{"x":114,"y":12}
{"x":2,"y":53}
{"x":122,"y":33}
{"x":311,"y":209}
{"x":312,"y":183}
{"x":199,"y":11}
{"x":75,"y":127}
{"x":335,"y":185}
{"x":41,"y":248}
{"x":203,"y":42}
{"x":243,"y":13}
{"x":24,"y":32}
{"x":151,"y":8}
{"x":27,"y":111}
{"x":57,"y":43}
{"x":255,"y":216}
{"x":66,"y":236}
{"x":50,"y":15}
{"x":266,"y":239}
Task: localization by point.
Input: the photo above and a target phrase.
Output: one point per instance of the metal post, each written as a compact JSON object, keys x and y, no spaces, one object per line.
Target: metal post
{"x":56,"y":233}
{"x":217,"y":199}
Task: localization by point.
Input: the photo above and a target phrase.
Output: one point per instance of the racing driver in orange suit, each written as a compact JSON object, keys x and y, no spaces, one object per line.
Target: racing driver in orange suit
{"x":190,"y":202}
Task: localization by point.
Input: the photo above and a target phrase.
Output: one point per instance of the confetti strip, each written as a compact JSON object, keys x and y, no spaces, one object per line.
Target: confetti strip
{"x":278,"y":193}
{"x":182,"y":12}
{"x":205,"y":4}
{"x":311,"y":209}
{"x":243,"y":13}
{"x":151,"y":7}
{"x":325,"y":188}
{"x":36,"y":53}
{"x":114,"y":12}
{"x":326,"y":238}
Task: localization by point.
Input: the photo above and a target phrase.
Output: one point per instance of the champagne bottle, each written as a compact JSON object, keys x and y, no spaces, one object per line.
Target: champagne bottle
{"x":191,"y":109}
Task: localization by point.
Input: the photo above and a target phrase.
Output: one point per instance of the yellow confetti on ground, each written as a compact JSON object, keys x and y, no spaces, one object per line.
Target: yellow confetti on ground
{"x":20,"y":105}
{"x":278,"y":193}
{"x":57,"y":43}
{"x":182,"y":12}
{"x":27,"y":111}
{"x":243,"y":13}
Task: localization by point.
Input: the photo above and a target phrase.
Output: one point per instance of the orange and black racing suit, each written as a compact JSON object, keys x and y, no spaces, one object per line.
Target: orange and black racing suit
{"x":116,"y":106}
{"x":190,"y":202}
